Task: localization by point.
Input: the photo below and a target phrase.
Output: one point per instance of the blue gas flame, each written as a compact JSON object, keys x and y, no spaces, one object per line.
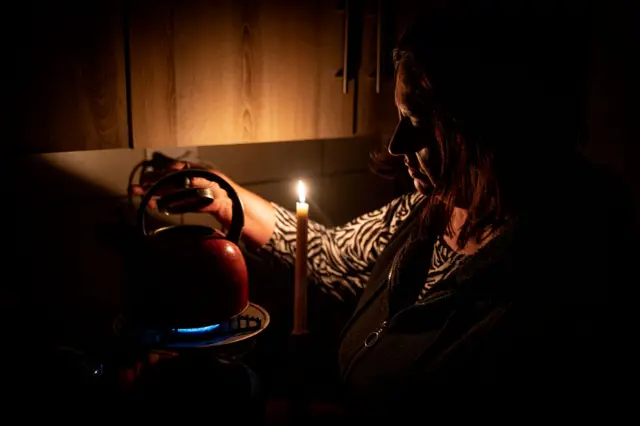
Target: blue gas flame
{"x":197,"y":330}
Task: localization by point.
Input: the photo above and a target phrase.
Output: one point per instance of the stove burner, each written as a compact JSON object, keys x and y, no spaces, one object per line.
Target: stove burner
{"x":254,"y":320}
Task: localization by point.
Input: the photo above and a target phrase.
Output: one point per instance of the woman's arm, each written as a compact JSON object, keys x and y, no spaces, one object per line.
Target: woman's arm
{"x":340,"y":258}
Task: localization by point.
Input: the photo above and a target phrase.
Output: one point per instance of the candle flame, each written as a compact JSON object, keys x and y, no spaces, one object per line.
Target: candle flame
{"x":302,"y":191}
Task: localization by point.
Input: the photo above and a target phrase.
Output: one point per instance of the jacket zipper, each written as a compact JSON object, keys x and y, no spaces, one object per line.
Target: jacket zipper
{"x":369,"y":341}
{"x":373,"y":337}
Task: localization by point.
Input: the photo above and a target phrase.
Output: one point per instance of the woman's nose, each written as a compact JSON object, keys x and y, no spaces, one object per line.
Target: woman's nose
{"x":403,"y":141}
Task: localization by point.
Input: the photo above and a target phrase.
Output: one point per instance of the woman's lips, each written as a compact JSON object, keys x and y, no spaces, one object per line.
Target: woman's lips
{"x":415,"y":172}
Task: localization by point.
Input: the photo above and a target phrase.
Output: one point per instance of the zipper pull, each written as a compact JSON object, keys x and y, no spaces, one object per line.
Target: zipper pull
{"x":373,"y":337}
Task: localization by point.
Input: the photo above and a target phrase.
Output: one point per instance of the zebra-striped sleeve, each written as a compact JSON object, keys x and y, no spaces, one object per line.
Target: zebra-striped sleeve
{"x":340,"y":259}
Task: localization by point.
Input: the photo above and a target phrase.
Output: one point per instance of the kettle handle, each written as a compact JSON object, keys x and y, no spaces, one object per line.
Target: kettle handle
{"x":237,"y":210}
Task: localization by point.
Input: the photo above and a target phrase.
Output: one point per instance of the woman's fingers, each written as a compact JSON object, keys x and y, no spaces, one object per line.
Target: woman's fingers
{"x":218,"y":192}
{"x":199,"y":182}
{"x":221,"y":202}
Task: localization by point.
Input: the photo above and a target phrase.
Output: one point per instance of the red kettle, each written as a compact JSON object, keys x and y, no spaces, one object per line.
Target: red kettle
{"x":189,"y":276}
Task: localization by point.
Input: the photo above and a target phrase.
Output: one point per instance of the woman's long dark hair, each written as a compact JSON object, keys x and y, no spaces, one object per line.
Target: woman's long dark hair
{"x":497,"y":94}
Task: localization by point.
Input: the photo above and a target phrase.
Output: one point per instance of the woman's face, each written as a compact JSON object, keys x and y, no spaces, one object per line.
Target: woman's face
{"x":415,"y":135}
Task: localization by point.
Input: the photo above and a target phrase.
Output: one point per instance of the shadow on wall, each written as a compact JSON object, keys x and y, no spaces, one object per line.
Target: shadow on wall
{"x":70,"y":242}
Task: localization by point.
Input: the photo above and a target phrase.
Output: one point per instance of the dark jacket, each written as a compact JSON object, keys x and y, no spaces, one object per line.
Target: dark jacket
{"x":534,"y":320}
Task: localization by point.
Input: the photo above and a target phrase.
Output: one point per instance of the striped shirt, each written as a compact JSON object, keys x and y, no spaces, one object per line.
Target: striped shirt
{"x":341,"y":258}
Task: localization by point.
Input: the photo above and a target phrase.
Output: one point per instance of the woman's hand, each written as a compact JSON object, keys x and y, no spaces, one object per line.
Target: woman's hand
{"x":259,"y":214}
{"x":220,"y":208}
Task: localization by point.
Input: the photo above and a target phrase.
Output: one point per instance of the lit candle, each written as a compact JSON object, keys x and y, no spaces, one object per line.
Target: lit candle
{"x":300,"y":289}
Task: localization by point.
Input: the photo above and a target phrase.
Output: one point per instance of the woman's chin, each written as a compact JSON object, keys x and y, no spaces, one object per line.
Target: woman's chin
{"x":422,"y":186}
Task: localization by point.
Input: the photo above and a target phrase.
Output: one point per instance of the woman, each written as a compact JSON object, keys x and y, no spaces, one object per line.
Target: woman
{"x":472,"y":288}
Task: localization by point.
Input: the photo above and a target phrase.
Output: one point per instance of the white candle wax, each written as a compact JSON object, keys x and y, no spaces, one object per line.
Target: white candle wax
{"x":300,"y":285}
